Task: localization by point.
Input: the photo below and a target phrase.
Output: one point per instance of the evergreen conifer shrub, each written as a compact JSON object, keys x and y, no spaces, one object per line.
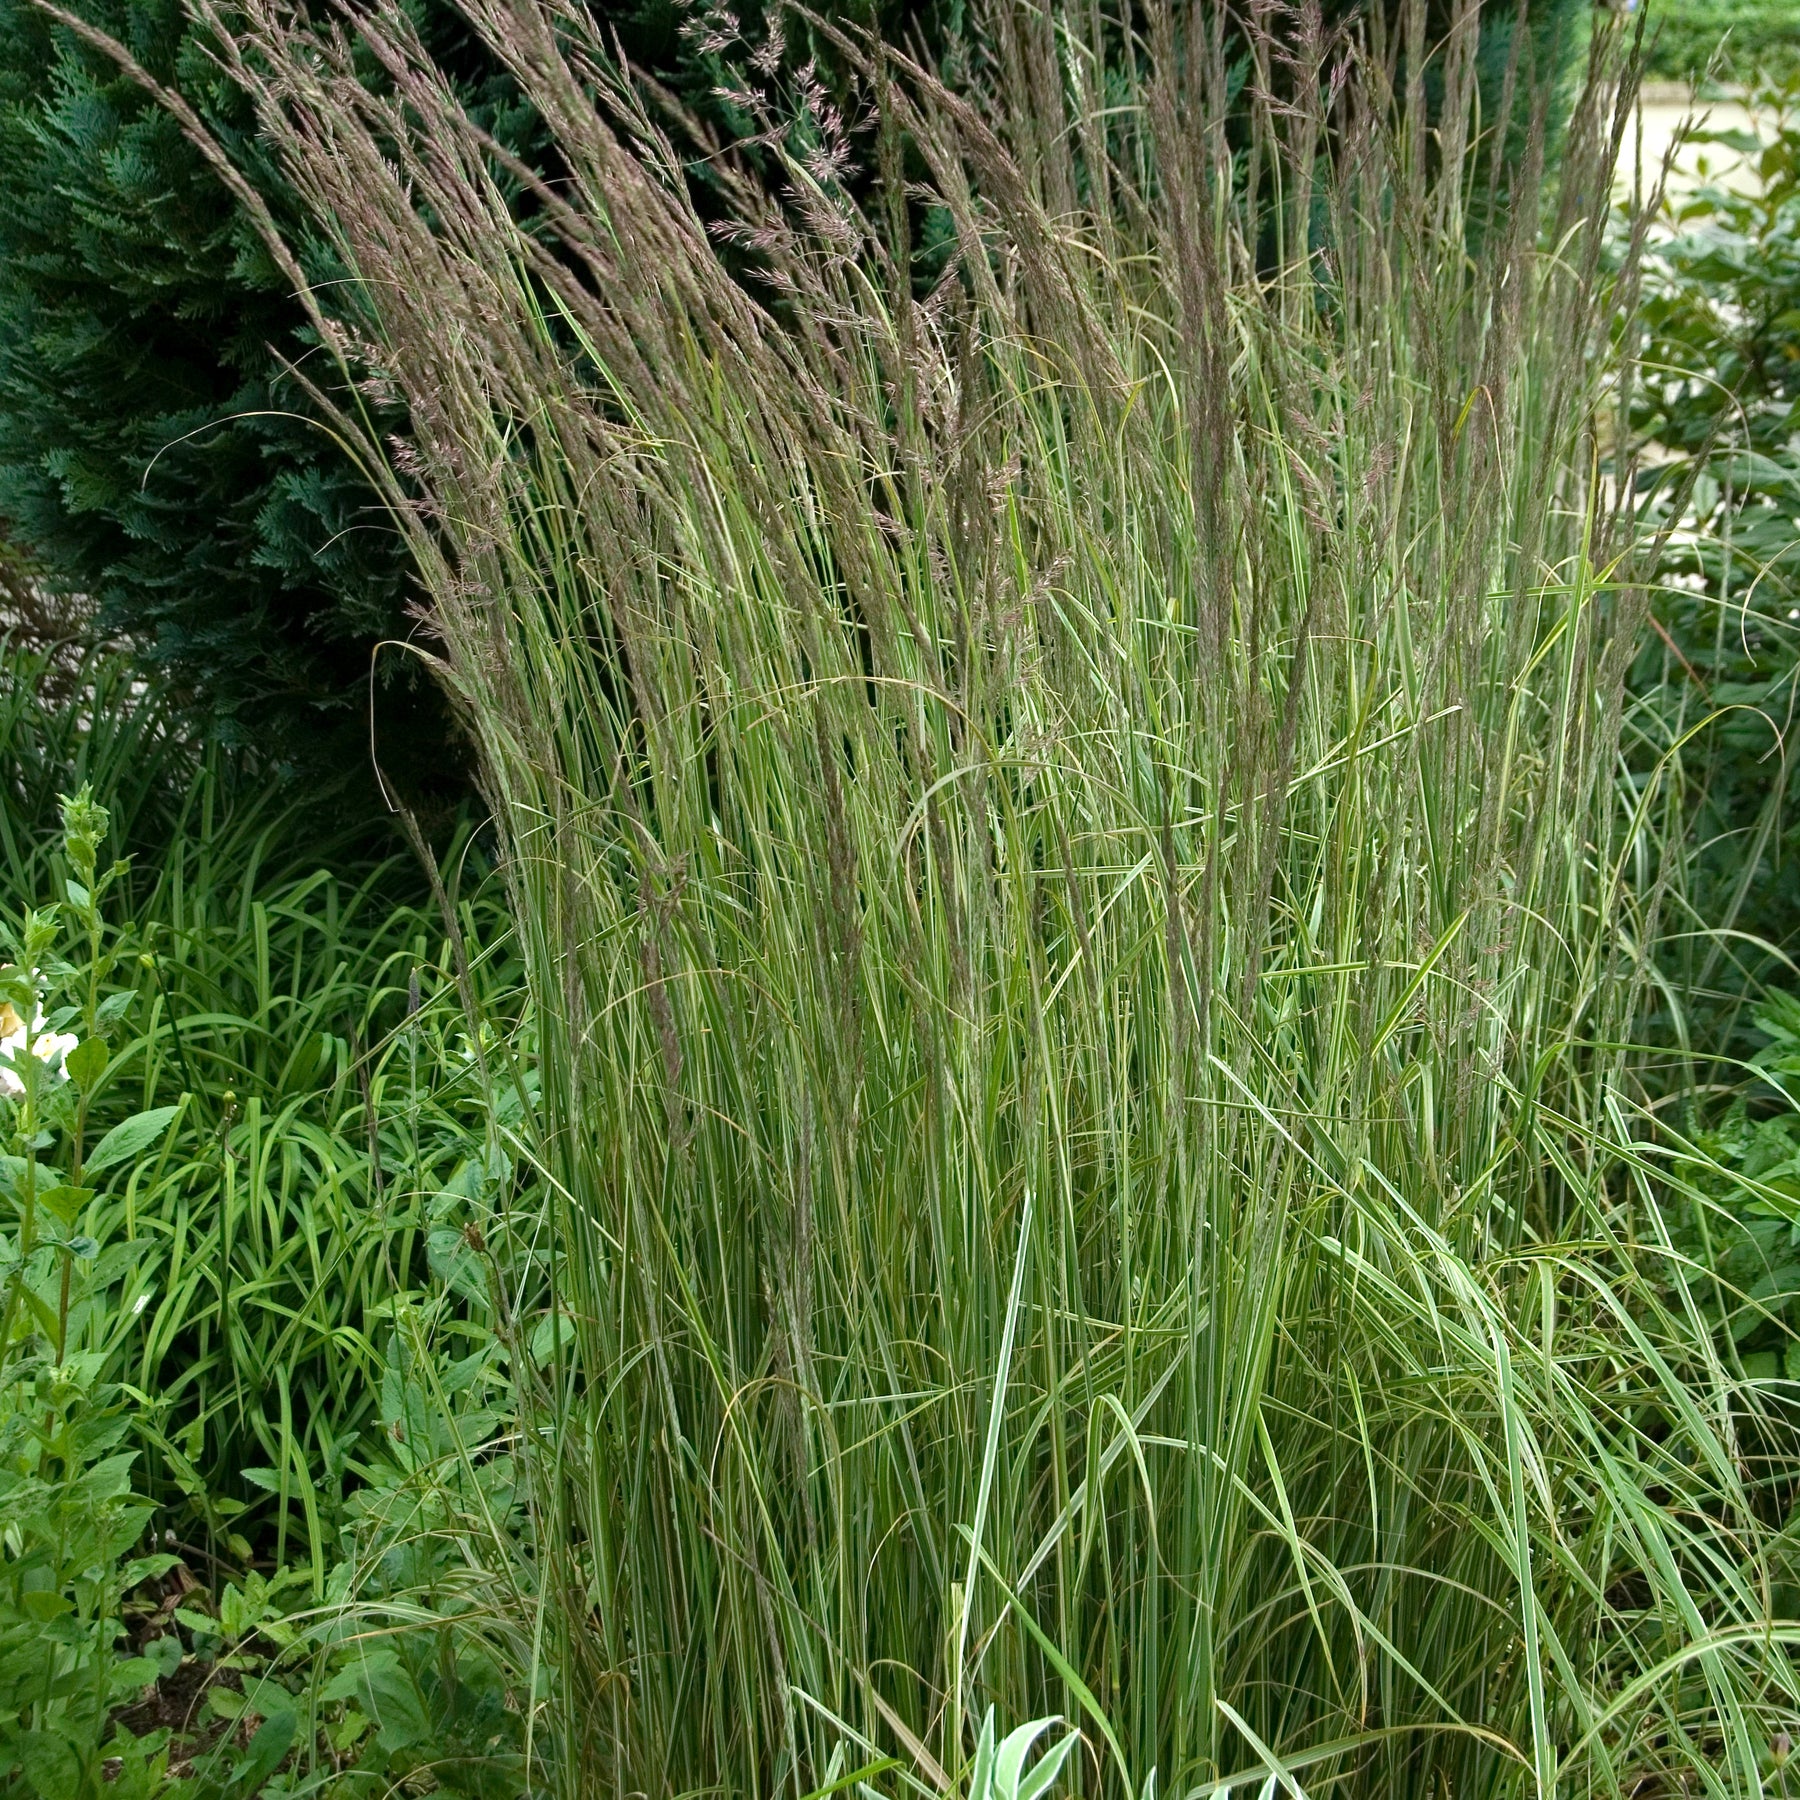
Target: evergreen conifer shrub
{"x":151,"y":455}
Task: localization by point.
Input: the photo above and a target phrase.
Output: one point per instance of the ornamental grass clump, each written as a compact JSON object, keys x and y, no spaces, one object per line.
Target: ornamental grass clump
{"x":1049,"y":677}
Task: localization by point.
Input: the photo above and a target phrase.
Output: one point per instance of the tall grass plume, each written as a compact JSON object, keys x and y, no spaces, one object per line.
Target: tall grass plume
{"x":1050,"y":681}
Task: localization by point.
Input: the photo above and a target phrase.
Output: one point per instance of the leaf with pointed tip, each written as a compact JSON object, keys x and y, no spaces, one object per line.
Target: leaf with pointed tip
{"x":131,"y":1138}
{"x":1009,"y":1760}
{"x":1048,"y":1767}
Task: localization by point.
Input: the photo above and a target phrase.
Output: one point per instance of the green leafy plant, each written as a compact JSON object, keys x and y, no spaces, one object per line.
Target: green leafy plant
{"x":1743,"y":1228}
{"x":287,"y":982}
{"x":406,"y":1667}
{"x":999,"y":1771}
{"x":404,"y":1670}
{"x":67,"y":1562}
{"x":235,"y":1227}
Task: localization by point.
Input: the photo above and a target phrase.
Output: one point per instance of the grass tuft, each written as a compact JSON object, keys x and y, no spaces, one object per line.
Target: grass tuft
{"x":1064,"y":822}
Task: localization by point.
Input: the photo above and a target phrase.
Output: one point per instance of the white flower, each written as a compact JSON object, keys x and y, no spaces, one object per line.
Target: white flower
{"x":46,"y":1046}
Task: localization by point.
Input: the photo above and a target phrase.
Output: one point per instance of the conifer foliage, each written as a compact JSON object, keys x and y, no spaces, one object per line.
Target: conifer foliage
{"x":157,"y":455}
{"x":151,"y":454}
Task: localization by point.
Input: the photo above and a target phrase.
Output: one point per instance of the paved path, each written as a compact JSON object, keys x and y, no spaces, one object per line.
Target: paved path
{"x":1662,"y":109}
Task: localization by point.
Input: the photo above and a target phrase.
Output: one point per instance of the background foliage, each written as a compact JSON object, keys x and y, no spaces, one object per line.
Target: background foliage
{"x":1718,"y":411}
{"x":1761,"y":39}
